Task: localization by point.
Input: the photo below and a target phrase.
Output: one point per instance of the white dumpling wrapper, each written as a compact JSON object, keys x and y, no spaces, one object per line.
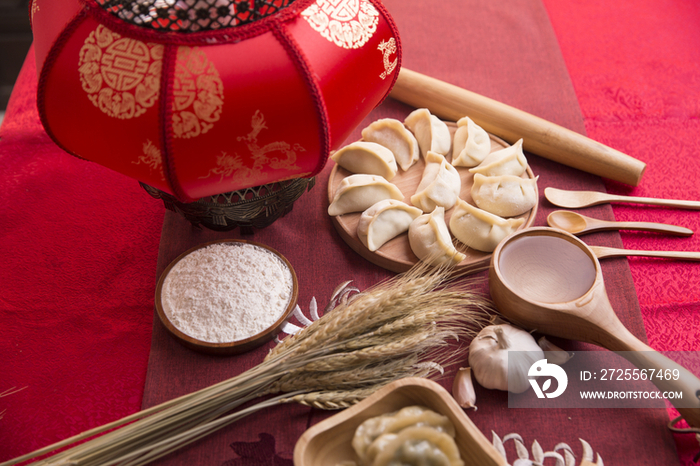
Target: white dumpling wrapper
{"x":356,"y":193}
{"x":420,"y":446}
{"x":392,"y":134}
{"x":384,"y":221}
{"x":471,"y":144}
{"x":431,"y":132}
{"x":508,"y":161}
{"x":371,"y":429}
{"x":367,"y":158}
{"x":479,"y":229}
{"x":505,"y":195}
{"x":439,"y":185}
{"x":430,"y":240}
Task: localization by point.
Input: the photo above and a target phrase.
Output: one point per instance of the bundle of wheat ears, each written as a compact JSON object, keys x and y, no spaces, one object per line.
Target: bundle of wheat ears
{"x":398,"y":328}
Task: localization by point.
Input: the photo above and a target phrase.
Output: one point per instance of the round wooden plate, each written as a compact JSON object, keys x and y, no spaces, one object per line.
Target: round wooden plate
{"x":396,"y":255}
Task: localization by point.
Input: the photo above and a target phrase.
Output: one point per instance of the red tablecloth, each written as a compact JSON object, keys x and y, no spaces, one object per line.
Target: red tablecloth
{"x":79,"y":243}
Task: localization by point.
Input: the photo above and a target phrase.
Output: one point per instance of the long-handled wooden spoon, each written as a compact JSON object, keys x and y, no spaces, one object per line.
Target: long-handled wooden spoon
{"x":578,"y":199}
{"x":578,"y":224}
{"x":602,"y":252}
{"x":549,"y":280}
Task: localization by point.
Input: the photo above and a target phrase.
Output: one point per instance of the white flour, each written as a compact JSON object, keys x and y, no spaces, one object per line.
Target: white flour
{"x":226,"y":292}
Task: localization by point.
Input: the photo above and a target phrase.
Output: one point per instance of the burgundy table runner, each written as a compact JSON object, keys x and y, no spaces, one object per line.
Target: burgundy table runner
{"x":79,"y":243}
{"x":507,"y":52}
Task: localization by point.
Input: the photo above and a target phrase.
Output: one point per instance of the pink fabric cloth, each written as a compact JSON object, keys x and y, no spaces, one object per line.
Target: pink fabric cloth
{"x":79,"y":243}
{"x":637,"y":81}
{"x":636,"y":70}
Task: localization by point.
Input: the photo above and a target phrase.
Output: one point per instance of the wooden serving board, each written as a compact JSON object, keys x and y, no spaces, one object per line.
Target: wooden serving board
{"x":396,"y":255}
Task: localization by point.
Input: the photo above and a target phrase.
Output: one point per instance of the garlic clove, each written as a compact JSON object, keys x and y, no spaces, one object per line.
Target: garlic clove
{"x":463,"y":388}
{"x":552,"y":352}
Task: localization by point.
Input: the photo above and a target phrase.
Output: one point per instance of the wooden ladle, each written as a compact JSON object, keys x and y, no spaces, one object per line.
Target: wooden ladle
{"x":578,"y":224}
{"x":549,"y":280}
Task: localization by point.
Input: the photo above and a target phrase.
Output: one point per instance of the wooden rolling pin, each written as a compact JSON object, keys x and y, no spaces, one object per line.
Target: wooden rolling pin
{"x":540,"y":136}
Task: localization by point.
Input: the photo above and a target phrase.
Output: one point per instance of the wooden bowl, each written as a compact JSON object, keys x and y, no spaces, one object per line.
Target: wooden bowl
{"x":329,"y":441}
{"x":237,"y":346}
{"x":396,"y":255}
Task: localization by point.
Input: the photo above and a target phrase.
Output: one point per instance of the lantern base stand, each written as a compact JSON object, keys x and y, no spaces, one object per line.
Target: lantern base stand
{"x":248,"y":208}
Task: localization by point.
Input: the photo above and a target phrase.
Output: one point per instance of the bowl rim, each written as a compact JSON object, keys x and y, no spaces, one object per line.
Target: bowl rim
{"x":237,"y":346}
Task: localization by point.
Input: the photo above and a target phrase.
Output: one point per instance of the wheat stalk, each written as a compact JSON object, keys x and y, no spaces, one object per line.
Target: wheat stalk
{"x":332,"y":399}
{"x":378,"y":336}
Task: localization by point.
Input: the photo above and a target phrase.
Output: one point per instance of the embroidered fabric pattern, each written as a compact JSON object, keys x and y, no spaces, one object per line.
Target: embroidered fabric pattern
{"x":192,"y":15}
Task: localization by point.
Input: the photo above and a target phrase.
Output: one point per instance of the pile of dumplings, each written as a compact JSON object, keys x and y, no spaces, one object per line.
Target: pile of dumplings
{"x":412,"y":435}
{"x":499,"y":191}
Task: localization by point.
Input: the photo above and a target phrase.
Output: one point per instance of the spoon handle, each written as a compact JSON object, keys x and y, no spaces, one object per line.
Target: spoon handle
{"x":692,"y":205}
{"x":675,"y":378}
{"x":651,"y":226}
{"x":601,"y":252}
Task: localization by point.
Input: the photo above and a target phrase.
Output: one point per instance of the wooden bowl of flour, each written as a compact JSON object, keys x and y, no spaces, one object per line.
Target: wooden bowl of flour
{"x":226,"y":297}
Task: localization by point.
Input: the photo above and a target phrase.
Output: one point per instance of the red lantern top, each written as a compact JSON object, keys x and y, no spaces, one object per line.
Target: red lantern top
{"x":200,"y":97}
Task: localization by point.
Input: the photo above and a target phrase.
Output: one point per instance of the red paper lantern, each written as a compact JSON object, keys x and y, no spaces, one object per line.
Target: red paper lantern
{"x":199,"y":97}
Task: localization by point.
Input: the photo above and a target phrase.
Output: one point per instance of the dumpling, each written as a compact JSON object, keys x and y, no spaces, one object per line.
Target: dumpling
{"x":409,"y":416}
{"x":356,"y":193}
{"x":420,"y":446}
{"x":505,"y":195}
{"x":431,"y":132}
{"x":379,"y":444}
{"x":430,"y":239}
{"x":479,"y":229}
{"x":471,"y":144}
{"x":384,"y":221}
{"x":439,"y":186}
{"x":508,"y":161}
{"x":367,"y":157}
{"x":392,"y":134}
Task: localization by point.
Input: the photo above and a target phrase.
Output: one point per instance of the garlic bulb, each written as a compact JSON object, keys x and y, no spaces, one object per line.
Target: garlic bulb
{"x":489,"y":357}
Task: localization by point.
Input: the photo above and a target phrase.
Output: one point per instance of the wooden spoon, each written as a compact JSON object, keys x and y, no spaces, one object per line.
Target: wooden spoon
{"x":549,"y":280}
{"x":603,"y":252}
{"x":578,"y":224}
{"x":578,"y":199}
